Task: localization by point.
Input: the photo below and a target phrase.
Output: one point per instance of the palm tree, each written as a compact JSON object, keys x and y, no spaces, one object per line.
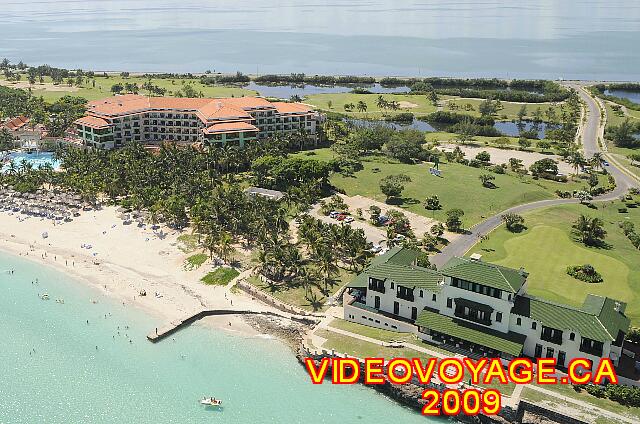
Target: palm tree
{"x":597,"y":160}
{"x":590,"y":230}
{"x":362,"y":106}
{"x":576,"y":160}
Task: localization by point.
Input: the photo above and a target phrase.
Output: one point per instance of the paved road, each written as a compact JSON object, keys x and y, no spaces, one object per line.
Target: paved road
{"x":590,"y":133}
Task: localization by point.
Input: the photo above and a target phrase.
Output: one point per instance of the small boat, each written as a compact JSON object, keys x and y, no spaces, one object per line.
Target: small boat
{"x":45,"y":296}
{"x":211,"y":402}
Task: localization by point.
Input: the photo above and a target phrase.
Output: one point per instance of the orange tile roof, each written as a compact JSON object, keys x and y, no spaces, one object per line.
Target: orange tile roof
{"x":206,"y":109}
{"x":92,"y":121}
{"x":230,"y":127}
{"x":16,"y":123}
{"x":292,"y":108}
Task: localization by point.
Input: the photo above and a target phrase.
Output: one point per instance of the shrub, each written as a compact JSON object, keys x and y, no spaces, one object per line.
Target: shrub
{"x":513,"y":222}
{"x":432,"y":203}
{"x":586,"y":273}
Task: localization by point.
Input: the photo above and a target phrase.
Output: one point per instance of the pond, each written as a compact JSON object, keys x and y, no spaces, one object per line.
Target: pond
{"x":285,"y":91}
{"x":37,"y":159}
{"x":633,"y":96}
{"x":415,"y":125}
{"x":512,"y":129}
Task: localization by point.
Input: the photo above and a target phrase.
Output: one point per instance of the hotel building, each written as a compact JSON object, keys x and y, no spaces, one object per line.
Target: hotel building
{"x":481,"y":309}
{"x":116,"y":121}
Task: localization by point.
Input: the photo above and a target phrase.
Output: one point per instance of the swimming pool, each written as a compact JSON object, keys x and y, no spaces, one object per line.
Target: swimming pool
{"x":37,"y":159}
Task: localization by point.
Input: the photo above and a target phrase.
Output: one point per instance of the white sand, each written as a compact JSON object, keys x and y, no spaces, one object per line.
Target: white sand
{"x":127,"y":260}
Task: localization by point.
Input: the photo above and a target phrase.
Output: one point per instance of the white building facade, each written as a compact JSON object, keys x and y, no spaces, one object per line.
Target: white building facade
{"x":482,"y":309}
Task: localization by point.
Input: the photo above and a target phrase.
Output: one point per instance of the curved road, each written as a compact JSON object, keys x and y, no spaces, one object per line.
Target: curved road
{"x":589,"y":133}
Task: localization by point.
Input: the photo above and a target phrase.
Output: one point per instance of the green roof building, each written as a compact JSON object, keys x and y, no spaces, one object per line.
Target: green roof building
{"x":481,"y":309}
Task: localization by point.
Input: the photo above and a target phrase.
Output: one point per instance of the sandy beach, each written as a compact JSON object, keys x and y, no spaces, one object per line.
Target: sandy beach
{"x":122,"y":261}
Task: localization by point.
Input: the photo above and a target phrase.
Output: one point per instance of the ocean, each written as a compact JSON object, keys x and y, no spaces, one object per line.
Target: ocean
{"x":570,"y":39}
{"x":57,"y":368}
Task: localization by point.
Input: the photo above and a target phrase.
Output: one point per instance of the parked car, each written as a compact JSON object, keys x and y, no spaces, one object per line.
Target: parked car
{"x":341,"y":217}
{"x":333,"y":214}
{"x":376,"y":248}
{"x":399,"y":237}
{"x":382,"y":220}
{"x":349,"y":219}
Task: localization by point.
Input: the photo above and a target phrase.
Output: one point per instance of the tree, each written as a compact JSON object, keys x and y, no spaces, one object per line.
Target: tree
{"x":487,"y":180}
{"x":432,"y":203}
{"x":437,"y":230}
{"x":374,"y":214}
{"x":597,"y":160}
{"x":483,"y":156}
{"x":544,"y":167}
{"x":513,"y":222}
{"x":590,"y":230}
{"x":524,"y":143}
{"x":433,"y":97}
{"x":454,"y":221}
{"x":515,"y":164}
{"x":501,"y":142}
{"x":423,"y":260}
{"x":543,"y":145}
{"x":487,"y":107}
{"x":362,"y":106}
{"x":117,"y":88}
{"x":393,"y":185}
{"x":522,"y":113}
{"x":593,"y":181}
{"x":405,"y":145}
{"x":576,"y":160}
{"x":623,"y":134}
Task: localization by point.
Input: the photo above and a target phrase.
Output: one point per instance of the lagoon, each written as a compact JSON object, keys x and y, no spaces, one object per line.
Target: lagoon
{"x":66,"y":379}
{"x":633,"y":96}
{"x":581,"y":39}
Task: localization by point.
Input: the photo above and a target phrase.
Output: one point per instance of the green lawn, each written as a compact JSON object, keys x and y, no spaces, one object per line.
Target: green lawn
{"x":374,"y":333}
{"x":566,"y":390}
{"x":421,"y":105}
{"x":615,"y":118}
{"x":295,"y":295}
{"x":459,"y":187}
{"x":195,"y":261}
{"x":547,"y":248}
{"x":220,"y":277}
{"x":510,"y":109}
{"x":103,"y":85}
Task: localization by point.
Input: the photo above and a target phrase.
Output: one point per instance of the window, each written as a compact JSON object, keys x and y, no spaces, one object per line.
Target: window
{"x":572,"y":336}
{"x":414,"y":313}
{"x":392,"y":285}
{"x":433,"y":298}
{"x":549,"y":352}
{"x":519,"y":321}
{"x":498,"y":316}
{"x":396,"y":308}
{"x":449,"y":303}
{"x":534,"y":325}
{"x":421,"y":293}
{"x":538,"y":353}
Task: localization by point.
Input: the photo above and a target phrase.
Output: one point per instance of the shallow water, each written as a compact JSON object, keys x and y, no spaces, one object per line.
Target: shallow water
{"x":68,"y":380}
{"x":585,"y":39}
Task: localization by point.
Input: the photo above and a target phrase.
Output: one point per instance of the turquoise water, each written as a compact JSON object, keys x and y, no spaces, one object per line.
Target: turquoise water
{"x":67,"y":380}
{"x":585,"y":39}
{"x":36,"y":159}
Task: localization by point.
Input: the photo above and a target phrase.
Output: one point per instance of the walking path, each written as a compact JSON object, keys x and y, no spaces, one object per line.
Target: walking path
{"x":590,"y":133}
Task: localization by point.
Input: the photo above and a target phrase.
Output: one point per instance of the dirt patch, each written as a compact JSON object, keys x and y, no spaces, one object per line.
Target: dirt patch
{"x":407,"y":105}
{"x":500,"y":156}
